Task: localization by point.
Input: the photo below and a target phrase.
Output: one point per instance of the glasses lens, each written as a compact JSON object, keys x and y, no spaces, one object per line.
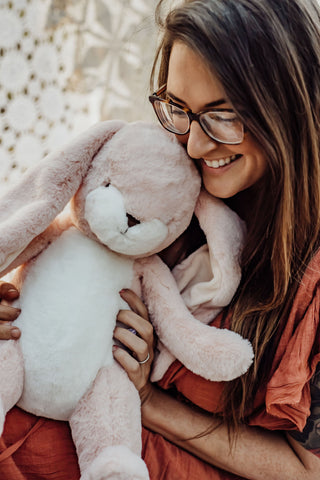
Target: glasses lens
{"x":223,"y":126}
{"x":171,"y":117}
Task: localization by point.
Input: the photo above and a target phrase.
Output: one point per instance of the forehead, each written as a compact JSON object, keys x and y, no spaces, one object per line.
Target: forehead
{"x":190,"y":79}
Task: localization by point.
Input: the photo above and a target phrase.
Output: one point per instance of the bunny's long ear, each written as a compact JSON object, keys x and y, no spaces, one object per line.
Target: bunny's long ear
{"x":29,"y":206}
{"x":225,"y":233}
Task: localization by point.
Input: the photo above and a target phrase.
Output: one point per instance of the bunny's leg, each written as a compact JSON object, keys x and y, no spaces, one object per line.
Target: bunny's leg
{"x":11,"y":376}
{"x":106,"y":429}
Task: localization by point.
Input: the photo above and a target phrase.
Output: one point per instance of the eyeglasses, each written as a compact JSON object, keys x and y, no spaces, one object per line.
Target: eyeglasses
{"x":220,"y":125}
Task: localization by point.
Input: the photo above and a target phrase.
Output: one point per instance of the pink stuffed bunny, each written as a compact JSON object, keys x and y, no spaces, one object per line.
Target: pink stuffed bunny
{"x":74,"y":265}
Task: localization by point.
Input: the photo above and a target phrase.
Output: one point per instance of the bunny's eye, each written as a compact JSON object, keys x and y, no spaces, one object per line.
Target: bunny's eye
{"x":132,"y":221}
{"x":107,"y":184}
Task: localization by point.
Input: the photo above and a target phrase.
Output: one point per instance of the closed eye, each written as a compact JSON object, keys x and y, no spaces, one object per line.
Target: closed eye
{"x":222,"y":116}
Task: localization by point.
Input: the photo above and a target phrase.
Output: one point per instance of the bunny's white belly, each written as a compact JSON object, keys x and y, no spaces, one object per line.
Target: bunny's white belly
{"x":69,"y":301}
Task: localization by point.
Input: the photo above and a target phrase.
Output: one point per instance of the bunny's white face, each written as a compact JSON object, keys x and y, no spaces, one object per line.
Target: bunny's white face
{"x":106,"y":214}
{"x":140,"y":192}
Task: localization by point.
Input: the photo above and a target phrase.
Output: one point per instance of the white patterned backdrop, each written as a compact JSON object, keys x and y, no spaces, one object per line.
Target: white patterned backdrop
{"x":65,"y":64}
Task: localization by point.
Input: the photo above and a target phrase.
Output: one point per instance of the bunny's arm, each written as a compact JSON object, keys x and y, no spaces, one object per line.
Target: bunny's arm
{"x":40,"y":243}
{"x":215,"y":354}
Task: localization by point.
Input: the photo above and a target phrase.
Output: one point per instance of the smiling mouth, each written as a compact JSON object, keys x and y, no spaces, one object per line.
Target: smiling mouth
{"x":221,"y":162}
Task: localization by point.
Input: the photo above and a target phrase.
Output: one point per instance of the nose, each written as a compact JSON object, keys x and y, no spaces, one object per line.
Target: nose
{"x":199,"y":144}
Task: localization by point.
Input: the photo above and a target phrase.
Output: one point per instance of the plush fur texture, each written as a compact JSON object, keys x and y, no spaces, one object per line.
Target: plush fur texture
{"x":80,"y":338}
{"x":74,"y":266}
{"x":115,"y":449}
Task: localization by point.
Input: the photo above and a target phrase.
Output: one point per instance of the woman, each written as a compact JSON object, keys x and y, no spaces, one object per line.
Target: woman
{"x":249,"y":72}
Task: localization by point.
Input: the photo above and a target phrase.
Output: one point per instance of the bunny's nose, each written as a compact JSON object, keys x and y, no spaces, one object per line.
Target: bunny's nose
{"x":132,"y":221}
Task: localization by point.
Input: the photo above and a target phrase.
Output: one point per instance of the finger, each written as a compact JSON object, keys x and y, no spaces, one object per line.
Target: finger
{"x":8,"y":291}
{"x":8,"y":313}
{"x":138,"y":374}
{"x":125,"y":359}
{"x":135,"y":303}
{"x":138,"y":346}
{"x":142,"y":326}
{"x":7,"y":332}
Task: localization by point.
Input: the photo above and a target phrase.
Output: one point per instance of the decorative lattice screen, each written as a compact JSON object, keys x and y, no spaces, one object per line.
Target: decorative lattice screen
{"x":64,"y":64}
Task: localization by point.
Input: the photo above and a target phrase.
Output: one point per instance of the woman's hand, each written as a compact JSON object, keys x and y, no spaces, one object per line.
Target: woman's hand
{"x":8,"y":293}
{"x":137,"y":364}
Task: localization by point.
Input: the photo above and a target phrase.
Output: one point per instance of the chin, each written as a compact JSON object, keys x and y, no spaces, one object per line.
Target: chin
{"x":220,"y":192}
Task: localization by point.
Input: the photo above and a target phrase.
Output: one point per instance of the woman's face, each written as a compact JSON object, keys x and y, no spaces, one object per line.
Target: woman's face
{"x":190,"y":84}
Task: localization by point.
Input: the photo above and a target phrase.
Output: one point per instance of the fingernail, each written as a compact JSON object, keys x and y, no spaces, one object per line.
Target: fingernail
{"x":17,"y":312}
{"x":13,"y":293}
{"x":15,"y":333}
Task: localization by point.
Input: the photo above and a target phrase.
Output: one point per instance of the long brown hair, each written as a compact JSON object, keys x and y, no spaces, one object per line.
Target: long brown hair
{"x":266,"y":54}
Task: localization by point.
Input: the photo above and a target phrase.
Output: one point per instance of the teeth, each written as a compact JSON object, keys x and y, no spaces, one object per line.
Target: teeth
{"x":220,"y":163}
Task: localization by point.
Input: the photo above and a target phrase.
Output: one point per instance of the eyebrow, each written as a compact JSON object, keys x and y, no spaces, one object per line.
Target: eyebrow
{"x":216,"y":103}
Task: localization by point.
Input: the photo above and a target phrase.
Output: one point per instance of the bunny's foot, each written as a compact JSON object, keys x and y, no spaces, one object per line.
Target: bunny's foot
{"x":219,"y":355}
{"x":116,"y":463}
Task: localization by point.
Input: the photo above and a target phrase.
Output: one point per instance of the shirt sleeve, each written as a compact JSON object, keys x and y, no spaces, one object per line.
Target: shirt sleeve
{"x":295,"y":377}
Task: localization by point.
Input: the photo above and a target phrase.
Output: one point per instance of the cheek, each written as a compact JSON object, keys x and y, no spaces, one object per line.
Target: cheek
{"x":263,"y":167}
{"x":255,"y":156}
{"x":260,"y":165}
